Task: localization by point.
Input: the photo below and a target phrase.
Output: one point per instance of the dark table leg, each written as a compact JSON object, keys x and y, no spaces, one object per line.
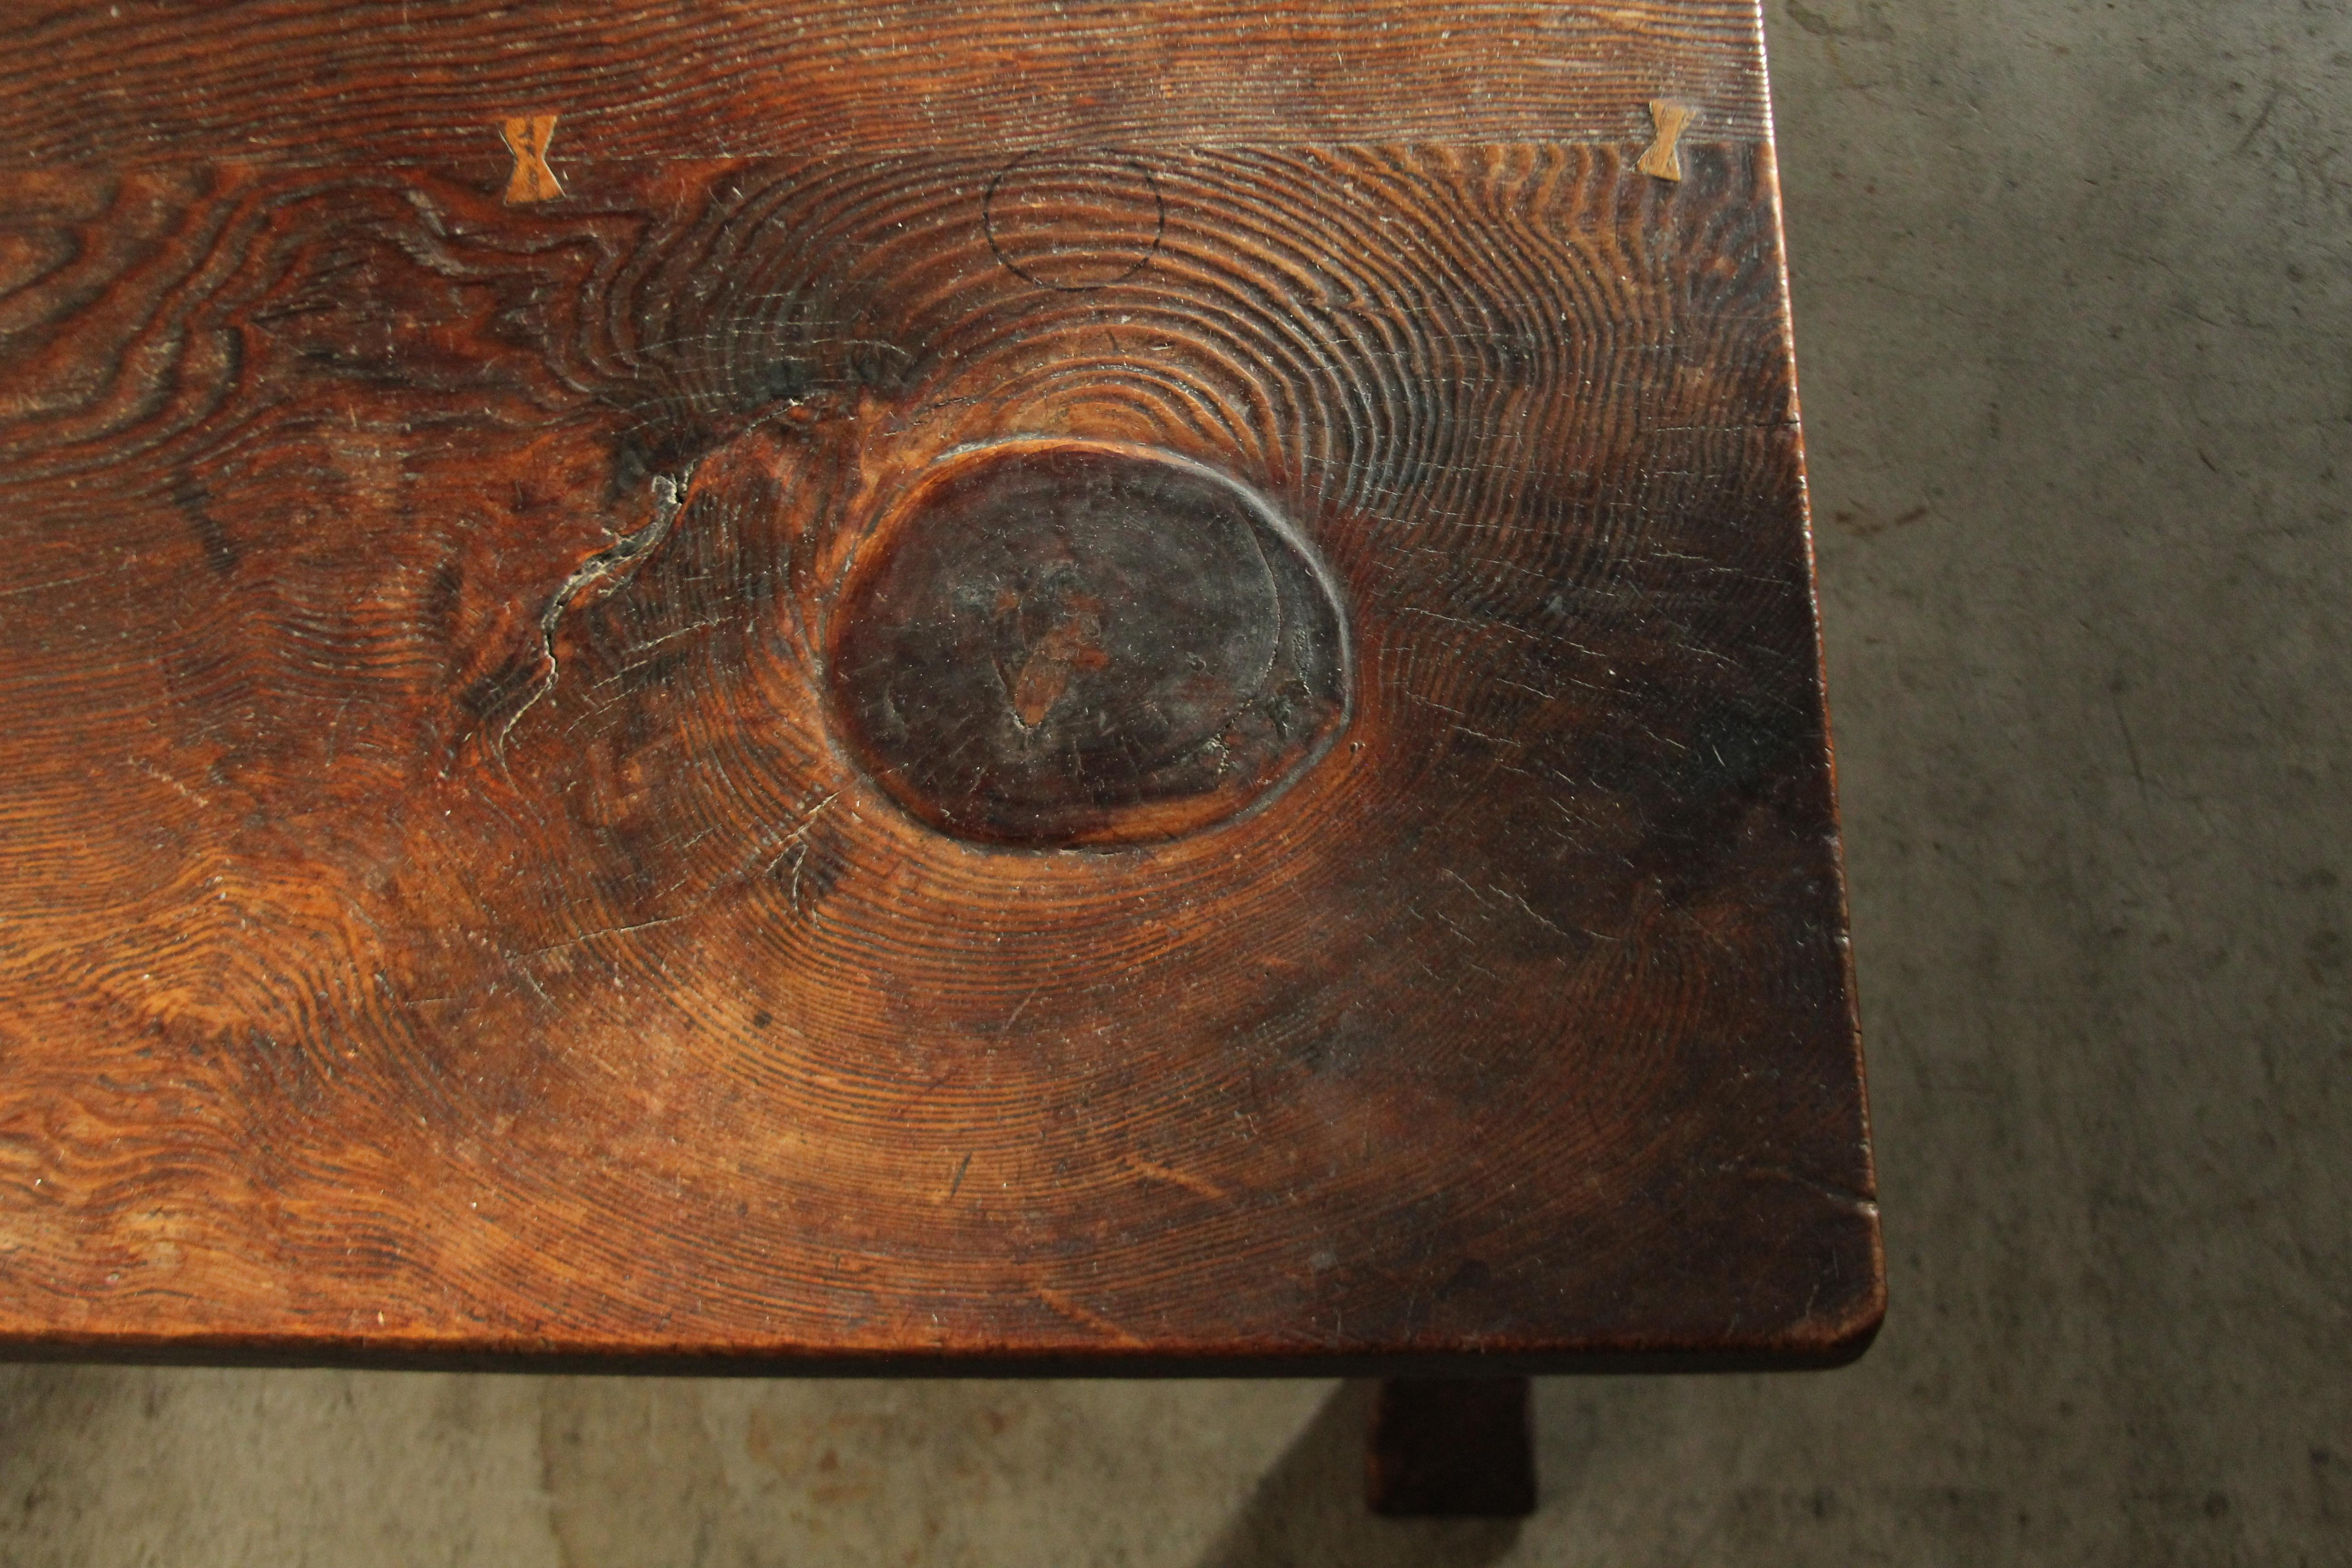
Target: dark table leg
{"x":1455,"y":1446}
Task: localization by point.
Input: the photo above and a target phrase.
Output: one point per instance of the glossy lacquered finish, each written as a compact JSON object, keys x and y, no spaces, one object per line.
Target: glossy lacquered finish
{"x":856,"y":686}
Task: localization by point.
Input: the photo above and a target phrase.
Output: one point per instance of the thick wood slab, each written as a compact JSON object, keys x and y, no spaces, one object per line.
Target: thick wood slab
{"x":1104,"y":712}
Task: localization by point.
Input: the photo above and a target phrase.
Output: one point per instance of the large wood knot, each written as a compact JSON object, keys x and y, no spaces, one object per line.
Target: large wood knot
{"x":1052,"y":643}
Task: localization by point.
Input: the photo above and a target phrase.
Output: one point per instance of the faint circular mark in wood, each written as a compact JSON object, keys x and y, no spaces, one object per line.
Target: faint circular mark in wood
{"x":1050,"y":642}
{"x":1075,"y":218}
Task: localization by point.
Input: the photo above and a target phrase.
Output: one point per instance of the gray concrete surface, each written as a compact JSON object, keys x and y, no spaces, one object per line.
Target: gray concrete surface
{"x":2074,"y":288}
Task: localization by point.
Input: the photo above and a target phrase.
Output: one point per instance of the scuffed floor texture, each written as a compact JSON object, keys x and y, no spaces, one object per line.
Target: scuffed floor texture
{"x":2073,"y":294}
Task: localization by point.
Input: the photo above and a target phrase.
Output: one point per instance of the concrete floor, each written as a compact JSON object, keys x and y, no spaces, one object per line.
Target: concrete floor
{"x":2073,"y":289}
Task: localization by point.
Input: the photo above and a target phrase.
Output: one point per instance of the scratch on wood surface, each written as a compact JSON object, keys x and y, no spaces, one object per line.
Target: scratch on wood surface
{"x":527,"y":136}
{"x":795,"y":838}
{"x":1185,"y":1179}
{"x":1843,"y":1197}
{"x":1664,"y":160}
{"x":1015,"y":1017}
{"x":593,"y":936}
{"x":606,"y":570}
{"x":1085,"y":1316}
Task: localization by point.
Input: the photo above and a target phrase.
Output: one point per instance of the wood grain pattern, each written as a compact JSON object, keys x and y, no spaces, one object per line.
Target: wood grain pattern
{"x":396,"y":82}
{"x":446,"y":910}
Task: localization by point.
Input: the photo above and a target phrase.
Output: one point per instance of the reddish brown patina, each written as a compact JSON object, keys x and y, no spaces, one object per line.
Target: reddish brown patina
{"x":991,"y":685}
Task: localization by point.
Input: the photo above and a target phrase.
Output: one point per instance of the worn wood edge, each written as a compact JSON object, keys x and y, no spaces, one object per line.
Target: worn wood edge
{"x":1872,"y":1309}
{"x":1834,"y":1345}
{"x":1808,"y":1346}
{"x":1137,"y":1364}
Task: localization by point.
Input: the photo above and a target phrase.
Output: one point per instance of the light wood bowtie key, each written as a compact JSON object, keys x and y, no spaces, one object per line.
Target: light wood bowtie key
{"x":527,"y":136}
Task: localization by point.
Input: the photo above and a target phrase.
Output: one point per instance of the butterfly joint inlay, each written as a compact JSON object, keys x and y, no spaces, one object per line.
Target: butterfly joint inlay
{"x":1663,"y":160}
{"x":527,"y":136}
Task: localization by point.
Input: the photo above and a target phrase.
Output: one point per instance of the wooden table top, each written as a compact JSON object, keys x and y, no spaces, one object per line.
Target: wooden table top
{"x":998,"y":686}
